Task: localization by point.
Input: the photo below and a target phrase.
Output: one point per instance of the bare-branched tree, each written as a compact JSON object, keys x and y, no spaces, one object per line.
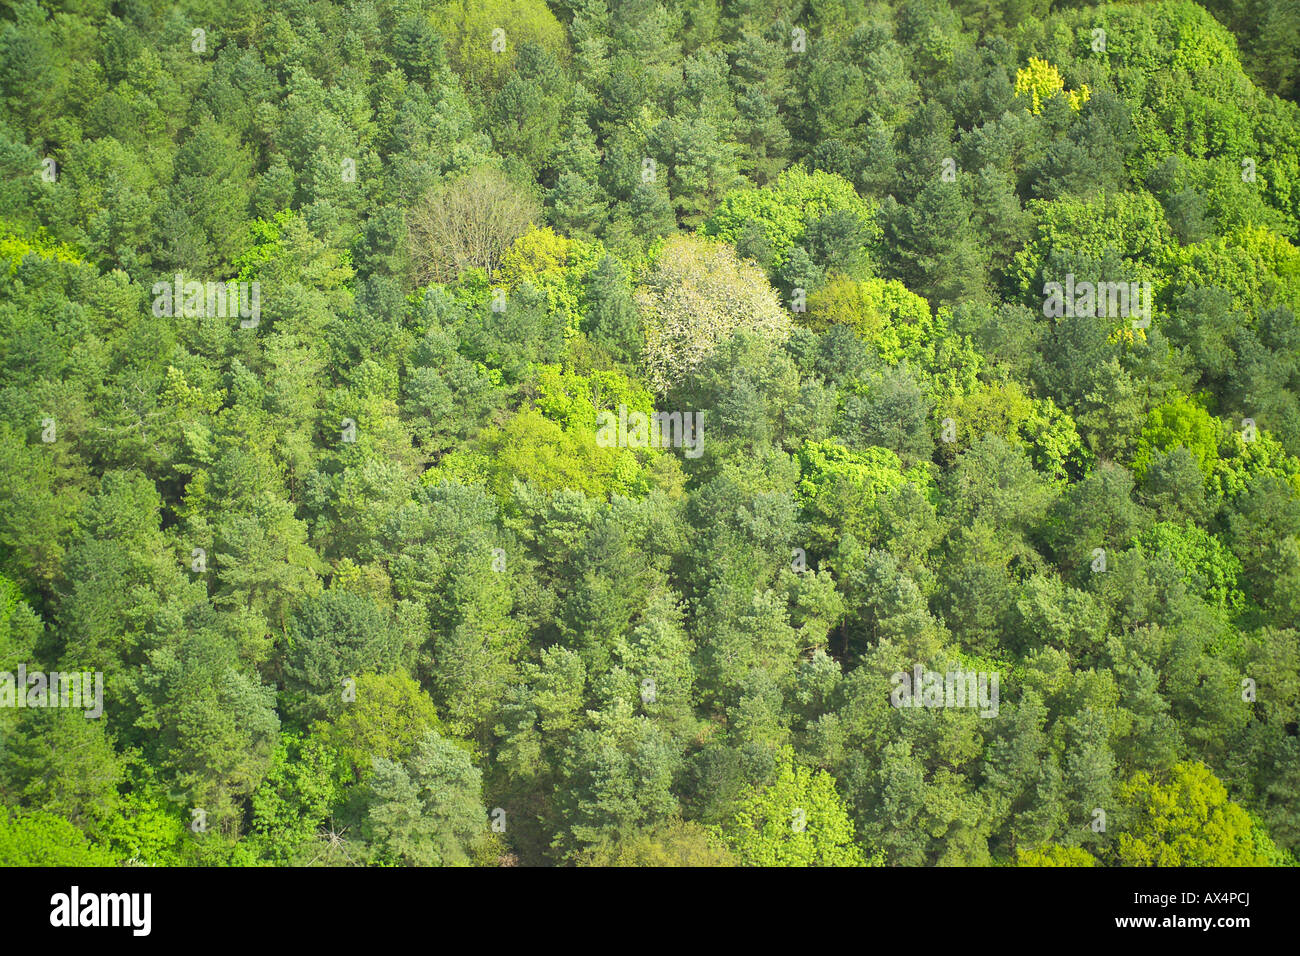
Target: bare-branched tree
{"x":467,"y":222}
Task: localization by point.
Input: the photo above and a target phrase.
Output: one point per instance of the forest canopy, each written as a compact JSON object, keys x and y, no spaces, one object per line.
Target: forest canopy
{"x":650,"y":433}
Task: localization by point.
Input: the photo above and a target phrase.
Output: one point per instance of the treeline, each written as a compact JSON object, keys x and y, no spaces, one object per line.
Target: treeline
{"x":328,"y":332}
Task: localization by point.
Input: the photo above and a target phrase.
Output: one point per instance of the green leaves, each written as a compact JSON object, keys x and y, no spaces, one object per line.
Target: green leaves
{"x":426,"y":810}
{"x":1183,"y":820}
{"x":819,"y":203}
{"x":361,"y":572}
{"x":796,"y":820}
{"x":39,"y":838}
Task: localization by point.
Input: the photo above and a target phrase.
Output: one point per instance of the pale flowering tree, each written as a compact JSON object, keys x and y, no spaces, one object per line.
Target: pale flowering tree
{"x":695,"y":296}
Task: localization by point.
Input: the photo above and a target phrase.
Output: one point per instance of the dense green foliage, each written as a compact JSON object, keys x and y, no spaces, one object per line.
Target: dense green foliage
{"x":367,"y":579}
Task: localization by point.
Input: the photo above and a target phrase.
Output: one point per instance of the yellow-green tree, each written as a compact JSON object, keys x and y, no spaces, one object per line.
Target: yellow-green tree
{"x":1183,"y":818}
{"x":1055,"y":855}
{"x":483,"y":37}
{"x":1041,"y":81}
{"x":675,"y":843}
{"x":796,"y":820}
